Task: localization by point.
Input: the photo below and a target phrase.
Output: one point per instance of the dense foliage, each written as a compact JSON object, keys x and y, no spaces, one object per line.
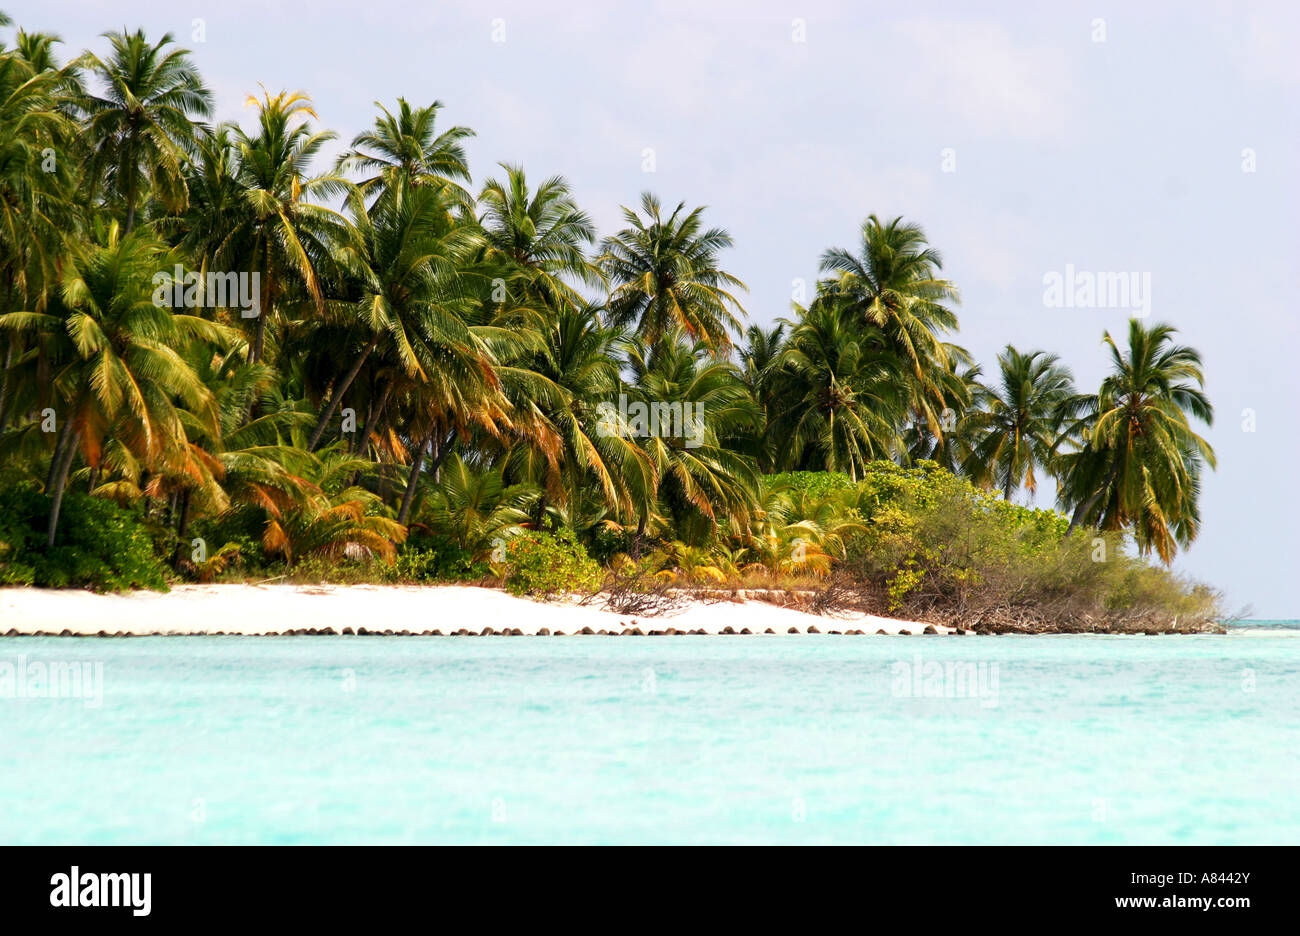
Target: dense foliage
{"x":101,"y":545}
{"x":281,"y":367}
{"x":541,"y":563}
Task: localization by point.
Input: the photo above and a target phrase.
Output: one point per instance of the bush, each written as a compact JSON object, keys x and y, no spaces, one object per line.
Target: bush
{"x":243,"y":527}
{"x":816,"y":483}
{"x":935,"y":545}
{"x":100,"y":546}
{"x":549,"y":563}
{"x":604,"y":543}
{"x":428,"y":558}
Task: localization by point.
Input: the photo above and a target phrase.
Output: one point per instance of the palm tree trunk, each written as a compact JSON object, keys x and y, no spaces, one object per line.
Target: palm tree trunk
{"x":259,"y":340}
{"x":412,"y":482}
{"x":4,"y":383}
{"x":181,"y":527}
{"x":1081,"y":511}
{"x":60,"y":485}
{"x":59,"y":445}
{"x":440,"y":456}
{"x":372,"y":418}
{"x":132,"y":182}
{"x":263,"y":309}
{"x":636,"y":540}
{"x":337,"y":396}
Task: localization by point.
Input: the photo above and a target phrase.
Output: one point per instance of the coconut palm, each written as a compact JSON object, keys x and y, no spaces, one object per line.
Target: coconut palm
{"x":432,"y":349}
{"x":569,"y":385}
{"x":38,"y":222}
{"x":335,"y":519}
{"x":700,"y":481}
{"x":139,"y":127}
{"x":962,"y":421}
{"x":1022,"y":421}
{"x":215,"y":217}
{"x":478,"y":509}
{"x":405,"y":149}
{"x":892,"y":283}
{"x":839,"y":392}
{"x":282,"y":234}
{"x":405,"y":266}
{"x":798,"y":532}
{"x":540,"y":234}
{"x":1139,"y":463}
{"x":119,"y":374}
{"x":759,"y":357}
{"x":34,"y":180}
{"x":666,"y":276}
{"x":228,"y":465}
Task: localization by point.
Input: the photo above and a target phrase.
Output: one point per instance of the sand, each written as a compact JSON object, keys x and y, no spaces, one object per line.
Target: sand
{"x":275,"y":609}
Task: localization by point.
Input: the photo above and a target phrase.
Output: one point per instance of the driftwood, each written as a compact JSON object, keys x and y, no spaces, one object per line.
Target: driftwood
{"x":639,"y":594}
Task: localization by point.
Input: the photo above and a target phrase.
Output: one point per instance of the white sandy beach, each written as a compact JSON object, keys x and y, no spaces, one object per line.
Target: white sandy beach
{"x":276,"y":609}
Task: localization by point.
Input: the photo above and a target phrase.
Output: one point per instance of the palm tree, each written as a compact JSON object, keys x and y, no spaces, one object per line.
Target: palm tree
{"x":699,"y":480}
{"x":799,"y":531}
{"x":406,"y":149}
{"x":759,"y":355}
{"x":478,"y":509}
{"x":37,"y":50}
{"x":214,"y":218}
{"x":893,"y":284}
{"x":38,"y":222}
{"x":1139,"y":463}
{"x":564,"y":387}
{"x":1022,"y":422}
{"x":34,"y":187}
{"x":333,"y":518}
{"x":666,"y":277}
{"x":541,"y":234}
{"x":282,"y":235}
{"x":759,"y":369}
{"x":962,"y":421}
{"x":839,"y":392}
{"x":139,"y":128}
{"x":405,"y":265}
{"x":120,"y":374}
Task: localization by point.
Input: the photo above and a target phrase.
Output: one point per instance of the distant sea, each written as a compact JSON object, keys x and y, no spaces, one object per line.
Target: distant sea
{"x":1252,"y":625}
{"x":1055,"y":739}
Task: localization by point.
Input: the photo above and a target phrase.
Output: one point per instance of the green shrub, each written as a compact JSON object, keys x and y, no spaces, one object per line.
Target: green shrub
{"x":604,"y":543}
{"x":430,"y":558}
{"x":100,"y":546}
{"x":816,"y":483}
{"x":242,"y":526}
{"x":549,"y":563}
{"x":934,"y":544}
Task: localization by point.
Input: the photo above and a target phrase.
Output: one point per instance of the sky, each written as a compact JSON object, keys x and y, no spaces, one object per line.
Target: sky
{"x":1027,"y":139}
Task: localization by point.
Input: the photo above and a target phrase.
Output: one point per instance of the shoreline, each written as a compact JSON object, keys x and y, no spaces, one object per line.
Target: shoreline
{"x":396,"y":610}
{"x":277,"y":610}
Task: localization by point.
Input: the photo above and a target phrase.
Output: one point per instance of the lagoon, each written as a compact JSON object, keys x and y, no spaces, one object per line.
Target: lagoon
{"x":1095,"y":740}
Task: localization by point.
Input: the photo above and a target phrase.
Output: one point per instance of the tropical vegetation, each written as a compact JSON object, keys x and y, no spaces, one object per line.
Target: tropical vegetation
{"x":263,"y":364}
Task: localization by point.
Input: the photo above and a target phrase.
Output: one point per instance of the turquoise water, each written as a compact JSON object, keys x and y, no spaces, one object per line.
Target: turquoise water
{"x":659,"y":740}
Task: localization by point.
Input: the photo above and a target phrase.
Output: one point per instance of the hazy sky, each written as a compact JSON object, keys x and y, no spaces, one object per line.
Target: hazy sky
{"x":1122,"y":155}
